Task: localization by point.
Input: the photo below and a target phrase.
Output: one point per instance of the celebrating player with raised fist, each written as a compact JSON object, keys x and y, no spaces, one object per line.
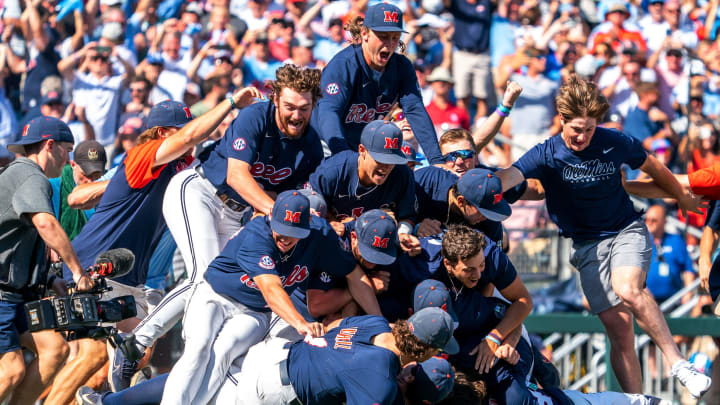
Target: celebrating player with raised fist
{"x":363,"y":81}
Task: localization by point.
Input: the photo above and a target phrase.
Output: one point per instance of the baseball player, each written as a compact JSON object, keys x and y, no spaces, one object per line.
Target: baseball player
{"x":376,"y":176}
{"x":267,"y":149}
{"x":254,"y":275}
{"x":129,"y":214}
{"x":372,"y":240}
{"x":475,"y":199}
{"x":361,"y":360}
{"x":363,"y":81}
{"x":514,"y":380}
{"x":580,"y":172}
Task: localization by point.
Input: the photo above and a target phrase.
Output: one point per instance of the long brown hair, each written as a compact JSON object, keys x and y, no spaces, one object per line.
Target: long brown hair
{"x":579,"y":98}
{"x":409,"y":345}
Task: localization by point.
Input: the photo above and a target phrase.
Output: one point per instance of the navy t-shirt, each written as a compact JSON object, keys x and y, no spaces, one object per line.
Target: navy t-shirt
{"x":337,"y":180}
{"x":344,"y":365}
{"x":252,"y":252}
{"x":277,"y":163}
{"x":432,"y":185}
{"x":584,"y":191}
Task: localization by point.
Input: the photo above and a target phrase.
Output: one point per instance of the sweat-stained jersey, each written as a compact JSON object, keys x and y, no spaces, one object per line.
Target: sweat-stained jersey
{"x":276,"y":162}
{"x":354,"y":94}
{"x":130,"y":212}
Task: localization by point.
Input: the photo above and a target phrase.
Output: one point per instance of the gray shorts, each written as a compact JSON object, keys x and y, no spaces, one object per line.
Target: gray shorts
{"x":597,"y":259}
{"x":472,"y":74}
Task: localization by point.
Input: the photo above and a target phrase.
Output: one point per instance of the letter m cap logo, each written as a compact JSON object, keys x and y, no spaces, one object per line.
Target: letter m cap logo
{"x":391,"y":16}
{"x":379,"y":242}
{"x":392,"y":143}
{"x":292,"y":216}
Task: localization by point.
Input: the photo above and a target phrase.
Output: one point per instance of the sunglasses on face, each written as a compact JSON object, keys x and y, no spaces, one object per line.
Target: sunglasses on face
{"x":100,"y":58}
{"x":463,"y":154}
{"x":398,"y":116}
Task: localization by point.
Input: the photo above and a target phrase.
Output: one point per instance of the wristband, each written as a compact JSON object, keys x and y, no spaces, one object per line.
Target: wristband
{"x":495,"y":336}
{"x":232,"y":103}
{"x":501,"y":112}
{"x":404,"y":227}
{"x":492,"y":339}
{"x":504,"y":109}
{"x":415,"y":229}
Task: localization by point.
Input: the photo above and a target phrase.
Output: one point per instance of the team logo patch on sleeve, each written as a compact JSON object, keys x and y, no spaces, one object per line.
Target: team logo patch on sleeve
{"x":266,"y":262}
{"x":325,"y":278}
{"x":332,"y":89}
{"x":239,"y":144}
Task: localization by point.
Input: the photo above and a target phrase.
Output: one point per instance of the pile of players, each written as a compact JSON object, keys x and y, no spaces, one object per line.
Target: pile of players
{"x":317,"y":258}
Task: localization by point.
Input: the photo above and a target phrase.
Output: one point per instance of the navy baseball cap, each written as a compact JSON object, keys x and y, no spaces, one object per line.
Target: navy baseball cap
{"x":434,"y":327}
{"x":317,"y":202}
{"x":433,"y":293}
{"x":291,"y":215}
{"x":410,"y":152}
{"x":384,"y":17}
{"x":377,"y":237}
{"x":169,"y":114}
{"x":383,"y":139}
{"x":434,"y":380}
{"x":40,"y":129}
{"x":51,"y":97}
{"x":483,"y":189}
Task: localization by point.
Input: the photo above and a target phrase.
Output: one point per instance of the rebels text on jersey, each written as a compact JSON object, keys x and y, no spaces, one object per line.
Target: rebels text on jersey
{"x":276,"y":162}
{"x":354,"y":94}
{"x":252,"y":251}
{"x":337,"y":180}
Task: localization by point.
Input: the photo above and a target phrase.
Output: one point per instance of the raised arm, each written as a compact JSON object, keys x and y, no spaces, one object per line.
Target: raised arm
{"x":199,"y":129}
{"x":490,"y":127}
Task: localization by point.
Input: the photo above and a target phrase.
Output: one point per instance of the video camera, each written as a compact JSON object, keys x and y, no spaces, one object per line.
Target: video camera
{"x":80,"y":314}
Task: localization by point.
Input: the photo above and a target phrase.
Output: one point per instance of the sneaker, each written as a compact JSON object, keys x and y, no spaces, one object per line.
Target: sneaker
{"x":87,"y":396}
{"x":122,"y":366}
{"x":141,"y":376}
{"x":696,"y":382}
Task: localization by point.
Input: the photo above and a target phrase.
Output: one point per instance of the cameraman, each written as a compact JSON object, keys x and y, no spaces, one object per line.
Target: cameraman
{"x":27,"y":225}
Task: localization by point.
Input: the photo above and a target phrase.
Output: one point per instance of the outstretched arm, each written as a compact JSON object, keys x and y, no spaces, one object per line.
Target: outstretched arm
{"x":199,"y":129}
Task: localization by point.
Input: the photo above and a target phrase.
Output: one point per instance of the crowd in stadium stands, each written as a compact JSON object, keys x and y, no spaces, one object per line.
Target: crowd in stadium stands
{"x":103,"y":66}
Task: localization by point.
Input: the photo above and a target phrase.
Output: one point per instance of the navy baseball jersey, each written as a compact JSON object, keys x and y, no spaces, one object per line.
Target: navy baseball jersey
{"x":584,"y":191}
{"x":432,"y":187}
{"x":713,"y":222}
{"x":344,"y":365}
{"x":130,"y":212}
{"x":276,"y":162}
{"x":337,"y":180}
{"x":253,"y":252}
{"x":354,"y":94}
